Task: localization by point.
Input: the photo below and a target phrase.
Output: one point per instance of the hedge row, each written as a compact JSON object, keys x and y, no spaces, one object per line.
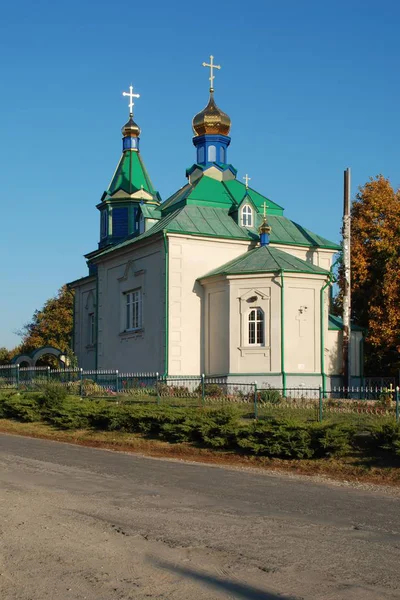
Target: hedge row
{"x":213,"y":428}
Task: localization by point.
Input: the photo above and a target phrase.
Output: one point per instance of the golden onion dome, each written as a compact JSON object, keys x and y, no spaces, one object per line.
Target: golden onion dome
{"x":131,"y":129}
{"x":264,"y":227}
{"x":211,"y":120}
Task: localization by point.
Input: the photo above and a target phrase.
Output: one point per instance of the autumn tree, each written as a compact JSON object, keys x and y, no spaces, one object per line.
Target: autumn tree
{"x":375,"y":281}
{"x":51,"y":325}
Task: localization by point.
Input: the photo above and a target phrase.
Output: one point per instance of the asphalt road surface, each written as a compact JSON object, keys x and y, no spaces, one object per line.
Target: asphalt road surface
{"x":80,"y":523}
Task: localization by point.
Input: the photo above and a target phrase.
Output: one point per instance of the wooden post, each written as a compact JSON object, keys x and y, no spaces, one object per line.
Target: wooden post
{"x":347,"y":281}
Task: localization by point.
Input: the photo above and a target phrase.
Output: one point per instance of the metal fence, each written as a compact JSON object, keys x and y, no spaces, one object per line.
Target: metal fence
{"x":308,"y":404}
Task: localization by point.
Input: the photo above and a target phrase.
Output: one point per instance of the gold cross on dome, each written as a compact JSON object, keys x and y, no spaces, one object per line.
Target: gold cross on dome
{"x":212,"y":67}
{"x":247,"y":179}
{"x":131,"y":96}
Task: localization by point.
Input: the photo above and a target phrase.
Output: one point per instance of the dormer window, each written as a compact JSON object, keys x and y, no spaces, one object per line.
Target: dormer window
{"x":247,"y":216}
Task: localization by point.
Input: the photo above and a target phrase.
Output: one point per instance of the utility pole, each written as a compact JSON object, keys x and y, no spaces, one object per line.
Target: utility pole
{"x":347,"y":281}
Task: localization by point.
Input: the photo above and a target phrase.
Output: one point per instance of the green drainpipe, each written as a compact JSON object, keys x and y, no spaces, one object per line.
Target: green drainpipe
{"x":96,"y":356}
{"x":283,"y":336}
{"x":72,"y":340}
{"x":322,"y":341}
{"x":166,"y":303}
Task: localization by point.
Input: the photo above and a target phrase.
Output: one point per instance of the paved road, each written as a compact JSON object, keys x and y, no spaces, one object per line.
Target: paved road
{"x":80,"y":523}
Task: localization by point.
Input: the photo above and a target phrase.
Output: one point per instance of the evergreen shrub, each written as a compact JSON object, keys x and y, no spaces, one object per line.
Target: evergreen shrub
{"x":20,"y":408}
{"x":387,"y":437}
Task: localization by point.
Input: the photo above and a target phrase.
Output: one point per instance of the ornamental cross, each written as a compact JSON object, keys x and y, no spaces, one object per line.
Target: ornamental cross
{"x":247,"y":179}
{"x":302,"y":320}
{"x":212,"y":67}
{"x":265,"y":209}
{"x":131,"y":96}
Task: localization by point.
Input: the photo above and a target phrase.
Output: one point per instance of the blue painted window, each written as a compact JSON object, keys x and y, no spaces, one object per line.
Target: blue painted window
{"x":120,"y":222}
{"x":103,"y":226}
{"x":212,"y":154}
{"x":201,"y":154}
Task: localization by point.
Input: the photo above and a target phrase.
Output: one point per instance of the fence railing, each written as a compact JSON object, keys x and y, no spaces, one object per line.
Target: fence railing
{"x":254,"y":401}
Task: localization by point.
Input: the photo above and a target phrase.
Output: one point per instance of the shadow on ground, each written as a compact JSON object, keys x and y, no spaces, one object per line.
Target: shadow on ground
{"x":238,"y":590}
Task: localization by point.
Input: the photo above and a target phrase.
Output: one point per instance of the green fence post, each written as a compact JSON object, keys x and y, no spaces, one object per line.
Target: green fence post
{"x":81,"y":382}
{"x":17,"y":377}
{"x":321,"y":406}
{"x":397,"y":405}
{"x":158,"y":388}
{"x":255,"y":400}
{"x":116,"y":381}
{"x":203,"y":390}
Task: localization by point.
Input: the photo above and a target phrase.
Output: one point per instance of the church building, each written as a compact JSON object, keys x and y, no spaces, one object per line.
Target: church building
{"x":214,"y":280}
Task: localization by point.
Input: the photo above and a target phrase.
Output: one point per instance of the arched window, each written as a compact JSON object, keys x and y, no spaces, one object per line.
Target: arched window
{"x":256,"y":327}
{"x":222,"y":154}
{"x":200,"y":154}
{"x":247,"y":216}
{"x":212,"y":153}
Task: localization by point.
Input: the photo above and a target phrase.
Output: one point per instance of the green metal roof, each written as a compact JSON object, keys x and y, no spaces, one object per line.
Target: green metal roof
{"x":266,"y":259}
{"x":131,"y":175}
{"x":217,"y":223}
{"x":207,"y":191}
{"x":238,"y":190}
{"x":150,"y":211}
{"x":336,"y":324}
{"x":285,"y":231}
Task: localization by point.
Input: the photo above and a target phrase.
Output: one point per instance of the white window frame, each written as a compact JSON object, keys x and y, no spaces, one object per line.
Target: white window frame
{"x":133,"y":310}
{"x":258,"y":333}
{"x":247,"y":216}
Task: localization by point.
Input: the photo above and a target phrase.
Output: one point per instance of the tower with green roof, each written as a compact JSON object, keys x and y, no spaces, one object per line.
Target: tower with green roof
{"x":129,"y":188}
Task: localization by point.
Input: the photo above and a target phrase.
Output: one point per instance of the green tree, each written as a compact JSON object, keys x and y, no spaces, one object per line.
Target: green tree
{"x":5,"y":356}
{"x":375,"y":281}
{"x":51,"y":325}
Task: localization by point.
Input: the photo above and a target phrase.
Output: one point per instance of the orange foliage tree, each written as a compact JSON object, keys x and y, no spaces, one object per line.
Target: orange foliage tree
{"x":51,"y":325}
{"x":375,"y":283}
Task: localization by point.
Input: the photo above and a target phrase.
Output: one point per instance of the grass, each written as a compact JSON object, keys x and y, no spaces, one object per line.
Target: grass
{"x":380,"y":469}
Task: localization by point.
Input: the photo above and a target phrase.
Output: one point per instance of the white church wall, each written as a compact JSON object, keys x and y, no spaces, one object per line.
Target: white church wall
{"x":320,"y":257}
{"x":141,"y":269}
{"x":302,"y":324}
{"x":216,"y":330}
{"x":85,"y":306}
{"x":190,"y":258}
{"x":247,"y":293}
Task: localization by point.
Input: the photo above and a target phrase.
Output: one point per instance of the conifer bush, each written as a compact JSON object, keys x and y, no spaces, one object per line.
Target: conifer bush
{"x":219,"y":428}
{"x":20,"y":408}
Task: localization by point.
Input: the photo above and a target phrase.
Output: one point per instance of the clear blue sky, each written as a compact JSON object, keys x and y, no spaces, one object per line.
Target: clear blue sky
{"x":312,"y":87}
